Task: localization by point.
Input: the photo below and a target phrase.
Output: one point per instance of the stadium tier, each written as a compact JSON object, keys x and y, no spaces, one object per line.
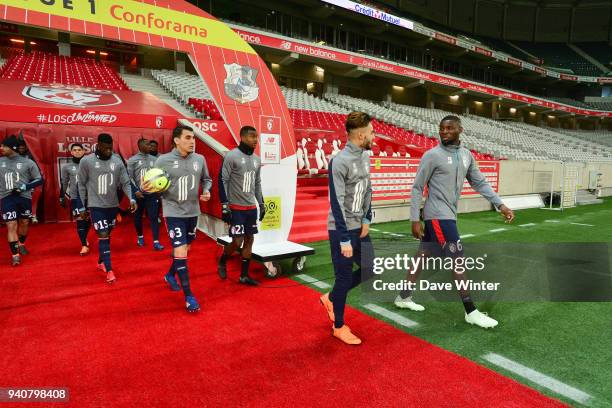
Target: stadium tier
{"x":557,"y":55}
{"x":50,"y":68}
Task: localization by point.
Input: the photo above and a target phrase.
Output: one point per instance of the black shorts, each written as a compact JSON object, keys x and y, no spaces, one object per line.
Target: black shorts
{"x":441,"y":238}
{"x":16,"y":207}
{"x":244,"y":222}
{"x":103,"y":219}
{"x":181,"y":230}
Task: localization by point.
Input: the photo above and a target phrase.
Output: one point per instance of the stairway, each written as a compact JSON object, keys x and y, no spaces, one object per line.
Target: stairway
{"x":311,"y":211}
{"x":142,"y":84}
{"x":584,"y":197}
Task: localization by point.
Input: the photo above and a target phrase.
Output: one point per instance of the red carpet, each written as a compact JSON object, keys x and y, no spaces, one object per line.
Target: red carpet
{"x":132,"y":344}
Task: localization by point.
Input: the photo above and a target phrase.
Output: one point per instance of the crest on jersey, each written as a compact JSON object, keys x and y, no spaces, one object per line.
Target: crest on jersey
{"x":243,"y":161}
{"x":97,"y":166}
{"x":195,"y":166}
{"x":450,"y":160}
{"x":241,"y":83}
{"x":112,"y":166}
{"x":140,"y":162}
{"x":19,"y":166}
{"x":76,"y":97}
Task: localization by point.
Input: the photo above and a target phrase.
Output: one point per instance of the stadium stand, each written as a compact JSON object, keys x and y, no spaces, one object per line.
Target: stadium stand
{"x":601,"y":137}
{"x":607,"y":106}
{"x":189,"y":90}
{"x":512,"y":140}
{"x":599,"y":51}
{"x":556,"y":55}
{"x":572,"y":102}
{"x":50,"y":68}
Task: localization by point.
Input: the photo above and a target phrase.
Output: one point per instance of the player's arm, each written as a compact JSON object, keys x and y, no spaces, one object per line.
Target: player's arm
{"x":34,"y":176}
{"x":82,"y":179}
{"x":224,"y":176}
{"x":131,"y":170}
{"x":337,"y":192}
{"x":124,"y":180}
{"x":64,"y":181}
{"x":206,"y":181}
{"x":259,"y":195}
{"x":426,"y":169}
{"x":367,"y":205}
{"x":479,"y":183}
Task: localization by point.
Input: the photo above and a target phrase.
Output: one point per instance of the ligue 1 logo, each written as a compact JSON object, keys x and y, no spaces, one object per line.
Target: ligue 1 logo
{"x":75,"y":97}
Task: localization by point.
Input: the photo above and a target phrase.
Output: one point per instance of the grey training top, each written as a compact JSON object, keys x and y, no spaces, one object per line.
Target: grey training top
{"x":350,"y":191}
{"x":240,"y":181}
{"x":99,"y":180}
{"x":182,"y":199}
{"x":15,"y":171}
{"x":69,"y":177}
{"x":137,"y":166}
{"x":443,"y":170}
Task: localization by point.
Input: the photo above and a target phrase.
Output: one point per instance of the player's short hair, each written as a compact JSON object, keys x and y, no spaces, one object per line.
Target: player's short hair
{"x":105,"y":138}
{"x":357,"y":120}
{"x":76,"y":145}
{"x":153,"y":142}
{"x":245,"y":130}
{"x":141,"y":141}
{"x":178,"y":131}
{"x":452,"y":118}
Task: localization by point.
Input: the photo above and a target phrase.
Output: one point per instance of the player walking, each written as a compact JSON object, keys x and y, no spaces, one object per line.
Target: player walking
{"x":69,"y":187}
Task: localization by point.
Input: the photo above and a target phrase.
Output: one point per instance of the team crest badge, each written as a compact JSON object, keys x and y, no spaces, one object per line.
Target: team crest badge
{"x":195,"y":166}
{"x":241,"y":83}
{"x":269,"y":124}
{"x":19,"y":166}
{"x":112,"y":166}
{"x":75,"y":97}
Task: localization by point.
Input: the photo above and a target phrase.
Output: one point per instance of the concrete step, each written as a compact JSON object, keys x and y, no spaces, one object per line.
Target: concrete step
{"x":142,"y":84}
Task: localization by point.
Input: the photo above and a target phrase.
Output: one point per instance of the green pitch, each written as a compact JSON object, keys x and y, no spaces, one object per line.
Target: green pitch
{"x":567,"y":342}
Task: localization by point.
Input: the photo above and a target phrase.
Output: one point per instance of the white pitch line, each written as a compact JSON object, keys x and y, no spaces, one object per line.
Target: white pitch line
{"x":467,"y":235}
{"x":498,"y":230}
{"x":531,"y":224}
{"x":374,"y":229}
{"x":313,"y":281}
{"x":396,"y":235}
{"x":541,"y":379}
{"x":552,"y":221}
{"x":397,"y":318}
{"x":584,"y":225}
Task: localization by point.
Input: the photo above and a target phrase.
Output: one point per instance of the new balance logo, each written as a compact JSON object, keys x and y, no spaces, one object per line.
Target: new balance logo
{"x":248,"y":181}
{"x":104,"y":182}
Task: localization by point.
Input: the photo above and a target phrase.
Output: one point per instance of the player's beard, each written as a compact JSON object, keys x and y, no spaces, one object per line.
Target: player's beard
{"x":367,"y":144}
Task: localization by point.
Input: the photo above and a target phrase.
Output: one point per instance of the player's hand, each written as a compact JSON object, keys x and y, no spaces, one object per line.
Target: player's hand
{"x":262,"y":212}
{"x":62,"y":202}
{"x":507,"y":213}
{"x":346,"y":250}
{"x":205,"y":196}
{"x":226,"y":213}
{"x":145,"y":185}
{"x":365,"y":230}
{"x":133,"y":206}
{"x":417,"y":229}
{"x":139,"y":195}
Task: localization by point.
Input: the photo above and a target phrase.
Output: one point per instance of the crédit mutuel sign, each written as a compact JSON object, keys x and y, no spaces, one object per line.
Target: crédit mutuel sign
{"x":372,"y":12}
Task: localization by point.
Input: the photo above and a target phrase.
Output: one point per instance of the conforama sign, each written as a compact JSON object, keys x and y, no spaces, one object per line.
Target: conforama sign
{"x":241,"y":85}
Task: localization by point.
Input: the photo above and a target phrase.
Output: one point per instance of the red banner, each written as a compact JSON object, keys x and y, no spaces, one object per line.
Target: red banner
{"x":445,"y":38}
{"x":569,"y":77}
{"x":483,"y":51}
{"x":392,"y":178}
{"x":417,"y":73}
{"x":514,"y":61}
{"x":22,"y":101}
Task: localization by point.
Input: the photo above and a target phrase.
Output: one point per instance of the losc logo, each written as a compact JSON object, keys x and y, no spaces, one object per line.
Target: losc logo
{"x":206,"y":126}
